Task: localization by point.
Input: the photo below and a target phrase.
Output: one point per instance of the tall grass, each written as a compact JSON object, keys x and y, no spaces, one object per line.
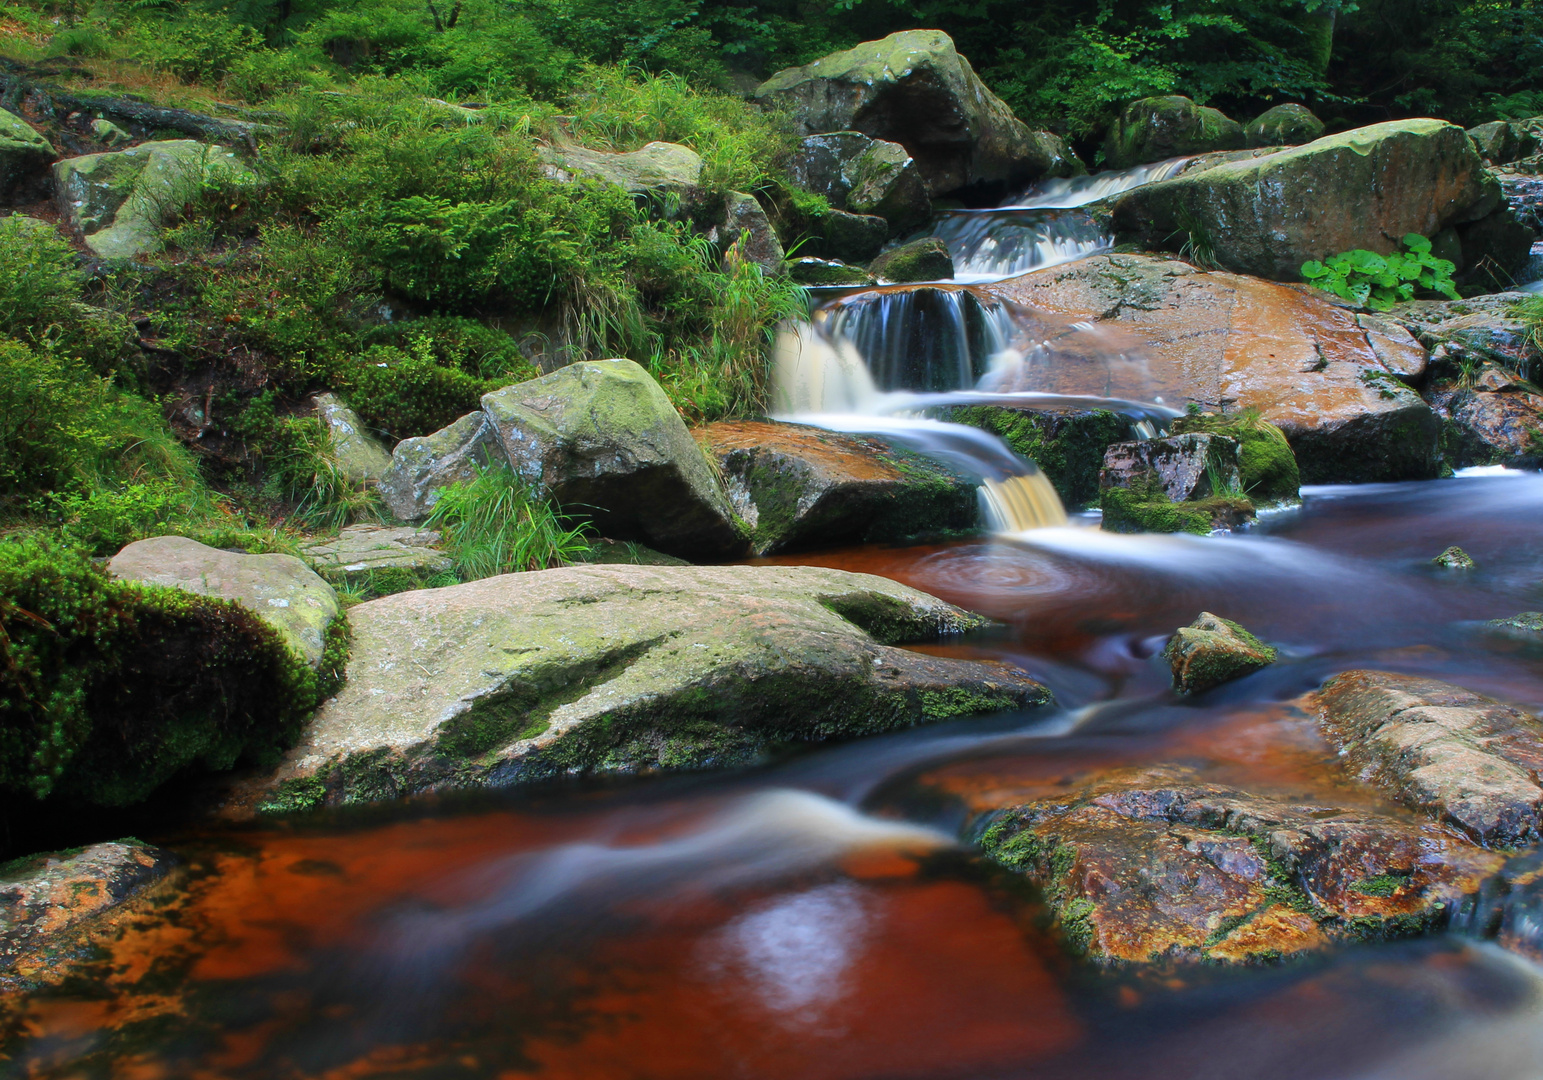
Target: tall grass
{"x":493,"y":525}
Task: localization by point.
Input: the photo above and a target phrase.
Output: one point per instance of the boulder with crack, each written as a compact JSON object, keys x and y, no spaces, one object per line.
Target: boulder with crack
{"x":1153,"y":864}
{"x":625,"y":669}
{"x":1465,"y":759}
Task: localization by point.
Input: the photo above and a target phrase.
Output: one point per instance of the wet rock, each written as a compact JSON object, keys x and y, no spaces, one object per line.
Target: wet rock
{"x":1454,"y":558}
{"x":658,"y":166}
{"x":852,"y":238}
{"x":886,"y":183}
{"x":1068,"y":447}
{"x":1267,"y":468}
{"x":1159,"y":128}
{"x":746,"y":224}
{"x":1365,"y":188}
{"x":109,"y":134}
{"x":915,"y":89}
{"x":1187,"y":466}
{"x":1508,"y":907}
{"x":608,"y":669}
{"x":1143,"y":506}
{"x":809,"y":271}
{"x":1150,"y":864}
{"x":802,"y":487}
{"x":1504,"y":141}
{"x":602,"y":439}
{"x":1471,"y":332}
{"x":364,"y":552}
{"x":1331,"y":380}
{"x":284,"y":592}
{"x":1463,"y":758}
{"x":424,"y":466}
{"x":1528,"y":626}
{"x":1490,"y":424}
{"x":50,"y":903}
{"x":920,"y":260}
{"x":826,"y":164}
{"x":119,"y":201}
{"x":360,"y":458}
{"x":1211,"y":651}
{"x":1284,"y":125}
{"x":24,"y":154}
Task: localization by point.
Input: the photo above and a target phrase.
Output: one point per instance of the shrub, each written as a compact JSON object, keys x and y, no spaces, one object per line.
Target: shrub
{"x":402,"y":395}
{"x":195,"y":46}
{"x":108,"y":689}
{"x":492,"y":525}
{"x":1380,"y":281}
{"x":40,"y":289}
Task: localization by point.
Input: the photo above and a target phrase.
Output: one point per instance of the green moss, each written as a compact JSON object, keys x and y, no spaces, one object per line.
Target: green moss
{"x":958,"y":701}
{"x":1145,"y":507}
{"x":888,"y":619}
{"x":1267,"y":463}
{"x":1068,"y":447}
{"x":1382,"y":885}
{"x":920,"y":260}
{"x":295,"y":795}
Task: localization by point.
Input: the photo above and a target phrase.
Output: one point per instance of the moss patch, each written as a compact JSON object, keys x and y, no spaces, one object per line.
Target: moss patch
{"x":1068,"y":447}
{"x":1267,"y":463}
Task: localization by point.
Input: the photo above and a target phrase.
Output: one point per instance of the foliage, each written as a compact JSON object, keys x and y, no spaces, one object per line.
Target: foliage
{"x":40,"y":292}
{"x":493,"y":525}
{"x":1380,"y":281}
{"x":303,"y":468}
{"x":108,"y":689}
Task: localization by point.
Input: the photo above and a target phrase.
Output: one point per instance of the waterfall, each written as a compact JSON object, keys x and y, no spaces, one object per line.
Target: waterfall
{"x":921,"y":338}
{"x":1082,"y":190}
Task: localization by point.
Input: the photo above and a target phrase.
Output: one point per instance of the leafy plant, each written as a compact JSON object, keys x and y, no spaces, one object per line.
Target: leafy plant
{"x":1380,"y":281}
{"x":493,"y":525}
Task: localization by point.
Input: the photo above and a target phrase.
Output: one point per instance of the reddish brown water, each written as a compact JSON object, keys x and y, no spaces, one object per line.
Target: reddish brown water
{"x":817,"y":918}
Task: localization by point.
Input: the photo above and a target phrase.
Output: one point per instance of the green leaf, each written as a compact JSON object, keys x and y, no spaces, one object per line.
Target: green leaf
{"x":1314,"y":269}
{"x":1416,"y":242}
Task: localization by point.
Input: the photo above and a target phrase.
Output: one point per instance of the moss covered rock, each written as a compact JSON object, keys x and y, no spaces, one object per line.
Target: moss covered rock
{"x":1068,"y":447}
{"x":1142,"y":505}
{"x":1197,"y":465}
{"x":803,"y":487}
{"x":360,"y":458}
{"x":920,"y":260}
{"x":1284,"y":125}
{"x":424,"y":466}
{"x":1212,"y":650}
{"x":657,"y":167}
{"x":1267,"y":466}
{"x":808,"y":271}
{"x":1158,"y":128}
{"x":886,"y":183}
{"x":24,"y":154}
{"x":606,"y":669}
{"x":1454,"y":558}
{"x":915,"y":89}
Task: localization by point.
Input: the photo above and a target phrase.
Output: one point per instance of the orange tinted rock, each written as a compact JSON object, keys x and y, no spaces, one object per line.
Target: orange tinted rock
{"x":1328,"y":378}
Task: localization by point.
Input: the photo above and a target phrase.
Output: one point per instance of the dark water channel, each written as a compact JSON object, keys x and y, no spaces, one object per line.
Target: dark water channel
{"x":818,"y":918}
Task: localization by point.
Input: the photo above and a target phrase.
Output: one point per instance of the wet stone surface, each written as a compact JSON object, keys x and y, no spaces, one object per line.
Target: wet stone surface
{"x":1212,"y":650}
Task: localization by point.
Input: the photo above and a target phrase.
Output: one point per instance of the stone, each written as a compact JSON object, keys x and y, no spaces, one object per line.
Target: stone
{"x":1463,"y":758}
{"x":1187,"y":466}
{"x":1527,"y":626}
{"x":1454,"y":558}
{"x":657,"y":167}
{"x":282,"y":591}
{"x":1211,"y":651}
{"x":1267,"y":468}
{"x":120,"y":200}
{"x":1331,"y":380}
{"x":1284,"y":125}
{"x":1158,"y":128}
{"x":809,"y":271}
{"x":1366,"y":188}
{"x":1508,"y":907}
{"x":920,"y":260}
{"x":50,"y":903}
{"x":1143,"y":506}
{"x":361,"y":551}
{"x":804,"y":487}
{"x":625,"y":669}
{"x":24,"y":154}
{"x":1151,"y":864}
{"x":1489,"y":424}
{"x":360,"y":458}
{"x":886,"y":183}
{"x":851,"y":238}
{"x":1474,"y":331}
{"x":108,"y":133}
{"x":746,"y":224}
{"x":603,"y":440}
{"x":1492,"y":250}
{"x":825,"y":164}
{"x":422,"y":467}
{"x":1501,"y":142}
{"x":915,"y":89}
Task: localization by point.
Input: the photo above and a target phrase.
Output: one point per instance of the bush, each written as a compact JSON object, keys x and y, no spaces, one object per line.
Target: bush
{"x":402,"y":396}
{"x":108,"y":689}
{"x":195,"y":46}
{"x":40,"y":289}
{"x":492,"y":525}
{"x":1380,"y":281}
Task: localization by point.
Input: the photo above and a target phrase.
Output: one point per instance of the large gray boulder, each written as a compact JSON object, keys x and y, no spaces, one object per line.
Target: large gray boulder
{"x":24,"y":154}
{"x":1159,"y":128}
{"x":284,"y":592}
{"x":915,"y":89}
{"x":864,"y":176}
{"x":602,"y":439}
{"x":1284,"y":125}
{"x":657,"y":167}
{"x":119,"y":201}
{"x":1501,"y":142}
{"x":608,"y":669}
{"x":424,"y":466}
{"x":1368,"y":188}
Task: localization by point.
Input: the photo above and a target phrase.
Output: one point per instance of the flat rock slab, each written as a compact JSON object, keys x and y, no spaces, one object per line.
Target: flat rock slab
{"x":46,"y":900}
{"x":1150,"y":864}
{"x":1464,"y":758}
{"x":619,"y":669}
{"x":803,"y":487}
{"x":1330,"y":379}
{"x":282,"y":590}
{"x":361,"y":550}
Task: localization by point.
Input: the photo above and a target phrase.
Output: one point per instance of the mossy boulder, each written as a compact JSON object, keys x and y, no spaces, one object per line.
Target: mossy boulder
{"x":1454,"y":558}
{"x":1366,"y":188}
{"x":1142,"y":505}
{"x":24,"y":154}
{"x":809,"y":271}
{"x":1212,"y":650}
{"x":851,"y":238}
{"x":886,"y":183}
{"x":626,"y":669}
{"x":1068,"y":447}
{"x":602,"y":438}
{"x":915,"y":89}
{"x":920,"y":260}
{"x":1189,"y":466}
{"x":803,"y":487}
{"x":1158,"y":128}
{"x":1157,"y":865}
{"x":360,"y":458}
{"x":422,"y":467}
{"x":656,"y":167}
{"x":381,"y":558}
{"x":1284,"y":125}
{"x":1267,"y":466}
{"x":1495,"y":420}
{"x":746,"y":224}
{"x":119,"y":201}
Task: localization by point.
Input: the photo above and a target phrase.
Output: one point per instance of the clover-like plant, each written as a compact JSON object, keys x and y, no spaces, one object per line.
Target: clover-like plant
{"x":1378,"y":282}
